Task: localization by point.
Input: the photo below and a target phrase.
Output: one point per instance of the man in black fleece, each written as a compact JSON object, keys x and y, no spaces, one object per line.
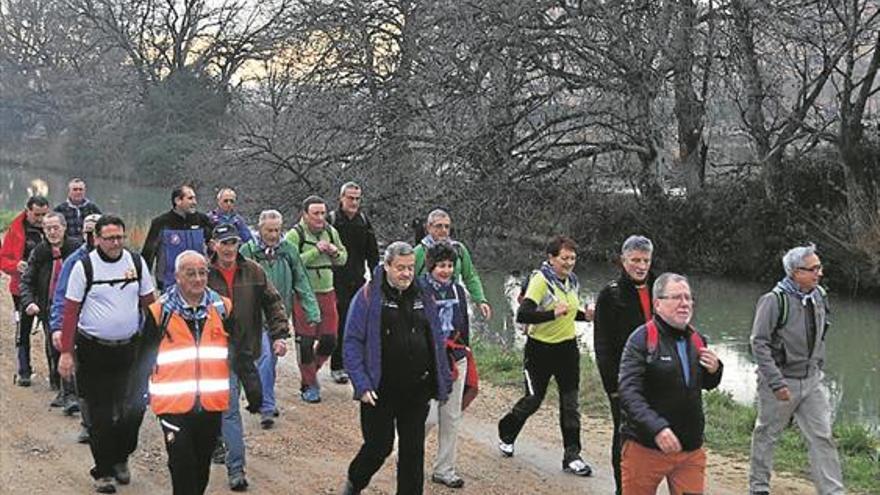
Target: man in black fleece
{"x":664,"y":369}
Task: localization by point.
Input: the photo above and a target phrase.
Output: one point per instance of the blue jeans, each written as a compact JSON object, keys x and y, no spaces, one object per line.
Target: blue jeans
{"x":266,"y":367}
{"x":232,"y":430}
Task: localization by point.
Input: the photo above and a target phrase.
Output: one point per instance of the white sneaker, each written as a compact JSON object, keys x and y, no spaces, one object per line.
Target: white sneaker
{"x":577,"y":467}
{"x":505,"y":448}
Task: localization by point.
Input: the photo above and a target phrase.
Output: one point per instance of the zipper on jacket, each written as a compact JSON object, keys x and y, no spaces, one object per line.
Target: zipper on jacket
{"x":198,"y":338}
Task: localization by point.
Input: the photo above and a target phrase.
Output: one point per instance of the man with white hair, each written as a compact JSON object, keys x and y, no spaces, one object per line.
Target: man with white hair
{"x":76,"y":208}
{"x":284,"y":268}
{"x":225,"y":213}
{"x":788,"y":342}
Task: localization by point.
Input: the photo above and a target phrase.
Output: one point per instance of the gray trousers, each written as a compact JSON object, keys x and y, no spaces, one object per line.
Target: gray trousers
{"x":448,"y":416}
{"x":811,"y":410}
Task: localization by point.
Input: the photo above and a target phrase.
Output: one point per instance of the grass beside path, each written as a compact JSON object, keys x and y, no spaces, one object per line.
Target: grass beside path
{"x":728,"y":424}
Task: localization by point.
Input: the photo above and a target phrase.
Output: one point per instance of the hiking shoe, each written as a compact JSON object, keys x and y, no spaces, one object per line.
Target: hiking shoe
{"x":121,"y":473}
{"x":267,"y":421}
{"x":83,"y":436}
{"x":71,"y":405}
{"x":505,"y":448}
{"x":58,"y":401}
{"x":453,"y":481}
{"x":339,"y":376}
{"x":312,"y":395}
{"x":577,"y":467}
{"x":238,"y":483}
{"x":23,"y":381}
{"x":219,"y":455}
{"x":105,"y":485}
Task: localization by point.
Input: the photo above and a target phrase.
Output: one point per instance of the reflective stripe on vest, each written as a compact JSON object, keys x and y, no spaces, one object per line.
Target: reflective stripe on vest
{"x":187,"y":370}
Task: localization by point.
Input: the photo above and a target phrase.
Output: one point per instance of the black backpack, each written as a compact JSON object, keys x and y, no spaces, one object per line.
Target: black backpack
{"x":89,"y":272}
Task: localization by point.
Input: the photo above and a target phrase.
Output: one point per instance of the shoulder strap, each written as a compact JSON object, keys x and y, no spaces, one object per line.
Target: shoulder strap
{"x":782,"y":305}
{"x":89,"y":272}
{"x":301,"y":235}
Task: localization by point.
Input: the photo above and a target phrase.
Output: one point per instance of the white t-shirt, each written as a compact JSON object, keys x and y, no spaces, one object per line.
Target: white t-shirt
{"x":110,"y":311}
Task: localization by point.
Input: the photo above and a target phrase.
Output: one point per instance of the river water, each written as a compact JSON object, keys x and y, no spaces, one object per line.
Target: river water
{"x":724,"y":310}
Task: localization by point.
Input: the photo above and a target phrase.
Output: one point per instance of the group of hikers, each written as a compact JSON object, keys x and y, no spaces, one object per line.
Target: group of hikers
{"x":396,"y":327}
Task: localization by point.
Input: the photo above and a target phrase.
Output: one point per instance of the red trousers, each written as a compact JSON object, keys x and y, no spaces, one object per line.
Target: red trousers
{"x":643,"y":469}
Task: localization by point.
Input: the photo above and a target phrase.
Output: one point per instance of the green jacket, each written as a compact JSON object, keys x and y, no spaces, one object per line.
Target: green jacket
{"x":318,"y":265}
{"x":464,"y":269}
{"x":287,"y":274}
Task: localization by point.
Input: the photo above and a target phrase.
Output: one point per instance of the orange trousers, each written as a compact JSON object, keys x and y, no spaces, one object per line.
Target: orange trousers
{"x":643,"y":469}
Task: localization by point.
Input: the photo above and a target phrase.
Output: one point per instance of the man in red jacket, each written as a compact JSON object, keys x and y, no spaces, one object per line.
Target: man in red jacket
{"x":25,"y":232}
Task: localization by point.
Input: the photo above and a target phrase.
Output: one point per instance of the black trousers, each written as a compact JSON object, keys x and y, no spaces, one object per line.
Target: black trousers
{"x":343,"y":301}
{"x":614,"y":402}
{"x":190,"y":440}
{"x":102,"y":378}
{"x":23,"y":338}
{"x":52,"y":356}
{"x":543,"y":361}
{"x":378,"y":423}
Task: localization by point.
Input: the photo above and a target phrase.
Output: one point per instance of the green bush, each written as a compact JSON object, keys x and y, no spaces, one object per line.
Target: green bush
{"x":6,"y":217}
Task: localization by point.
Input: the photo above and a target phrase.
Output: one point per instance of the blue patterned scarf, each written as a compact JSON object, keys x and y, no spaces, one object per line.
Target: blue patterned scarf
{"x":789,"y":286}
{"x":554,"y":280}
{"x":174,"y":302}
{"x":446,"y":298}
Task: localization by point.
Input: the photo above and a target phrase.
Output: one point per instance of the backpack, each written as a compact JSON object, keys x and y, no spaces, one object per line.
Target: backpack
{"x":782,"y":304}
{"x":89,"y":272}
{"x":652,"y":338}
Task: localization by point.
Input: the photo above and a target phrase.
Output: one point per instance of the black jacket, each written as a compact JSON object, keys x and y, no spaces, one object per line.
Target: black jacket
{"x":618,"y":313}
{"x":653,"y":394}
{"x":35,"y":280}
{"x":359,"y":239}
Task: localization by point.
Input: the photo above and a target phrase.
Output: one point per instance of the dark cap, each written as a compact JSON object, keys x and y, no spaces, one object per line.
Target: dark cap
{"x":224,"y":232}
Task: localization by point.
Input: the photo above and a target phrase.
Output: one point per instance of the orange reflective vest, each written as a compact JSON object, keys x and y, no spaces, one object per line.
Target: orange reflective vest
{"x":186,"y":370}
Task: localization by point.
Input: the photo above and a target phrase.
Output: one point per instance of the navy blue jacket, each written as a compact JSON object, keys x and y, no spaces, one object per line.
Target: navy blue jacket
{"x":653,"y":394}
{"x":362,"y":344}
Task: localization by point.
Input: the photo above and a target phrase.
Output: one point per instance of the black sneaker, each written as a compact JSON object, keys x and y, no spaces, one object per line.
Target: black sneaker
{"x":58,"y":401}
{"x":71,"y":405}
{"x":23,"y":381}
{"x":105,"y":485}
{"x":121,"y":473}
{"x":83,"y":436}
{"x":267,"y":422}
{"x":219,"y":455}
{"x":238,"y":483}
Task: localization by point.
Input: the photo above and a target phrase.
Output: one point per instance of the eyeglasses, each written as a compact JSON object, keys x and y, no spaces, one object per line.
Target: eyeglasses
{"x":680,"y":298}
{"x":113,"y":238}
{"x":193,"y":273}
{"x":231,"y":201}
{"x":812,"y":269}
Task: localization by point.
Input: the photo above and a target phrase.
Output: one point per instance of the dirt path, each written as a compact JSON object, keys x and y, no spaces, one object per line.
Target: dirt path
{"x":304,"y":454}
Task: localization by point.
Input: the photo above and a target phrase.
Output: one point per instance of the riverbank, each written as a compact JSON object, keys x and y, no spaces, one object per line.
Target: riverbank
{"x":728,"y":424}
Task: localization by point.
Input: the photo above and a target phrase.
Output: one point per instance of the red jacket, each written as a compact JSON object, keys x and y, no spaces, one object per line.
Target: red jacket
{"x":12,"y":252}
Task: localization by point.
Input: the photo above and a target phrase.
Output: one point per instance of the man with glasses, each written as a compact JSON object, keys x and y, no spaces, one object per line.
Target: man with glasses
{"x":788,"y":342}
{"x":253,"y":296}
{"x":171,"y":233}
{"x":101,"y":323}
{"x":664,"y":369}
{"x":225,"y":213}
{"x":24,"y":233}
{"x":37,"y":285}
{"x":439,"y":227}
{"x":76,"y":208}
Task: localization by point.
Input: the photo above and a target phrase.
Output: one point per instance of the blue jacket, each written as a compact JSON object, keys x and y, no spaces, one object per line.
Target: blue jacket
{"x":57,"y":306}
{"x":233,"y":219}
{"x":362,"y":344}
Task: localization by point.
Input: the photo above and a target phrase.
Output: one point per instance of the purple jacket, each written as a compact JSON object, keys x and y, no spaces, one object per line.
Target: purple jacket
{"x":362,"y":344}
